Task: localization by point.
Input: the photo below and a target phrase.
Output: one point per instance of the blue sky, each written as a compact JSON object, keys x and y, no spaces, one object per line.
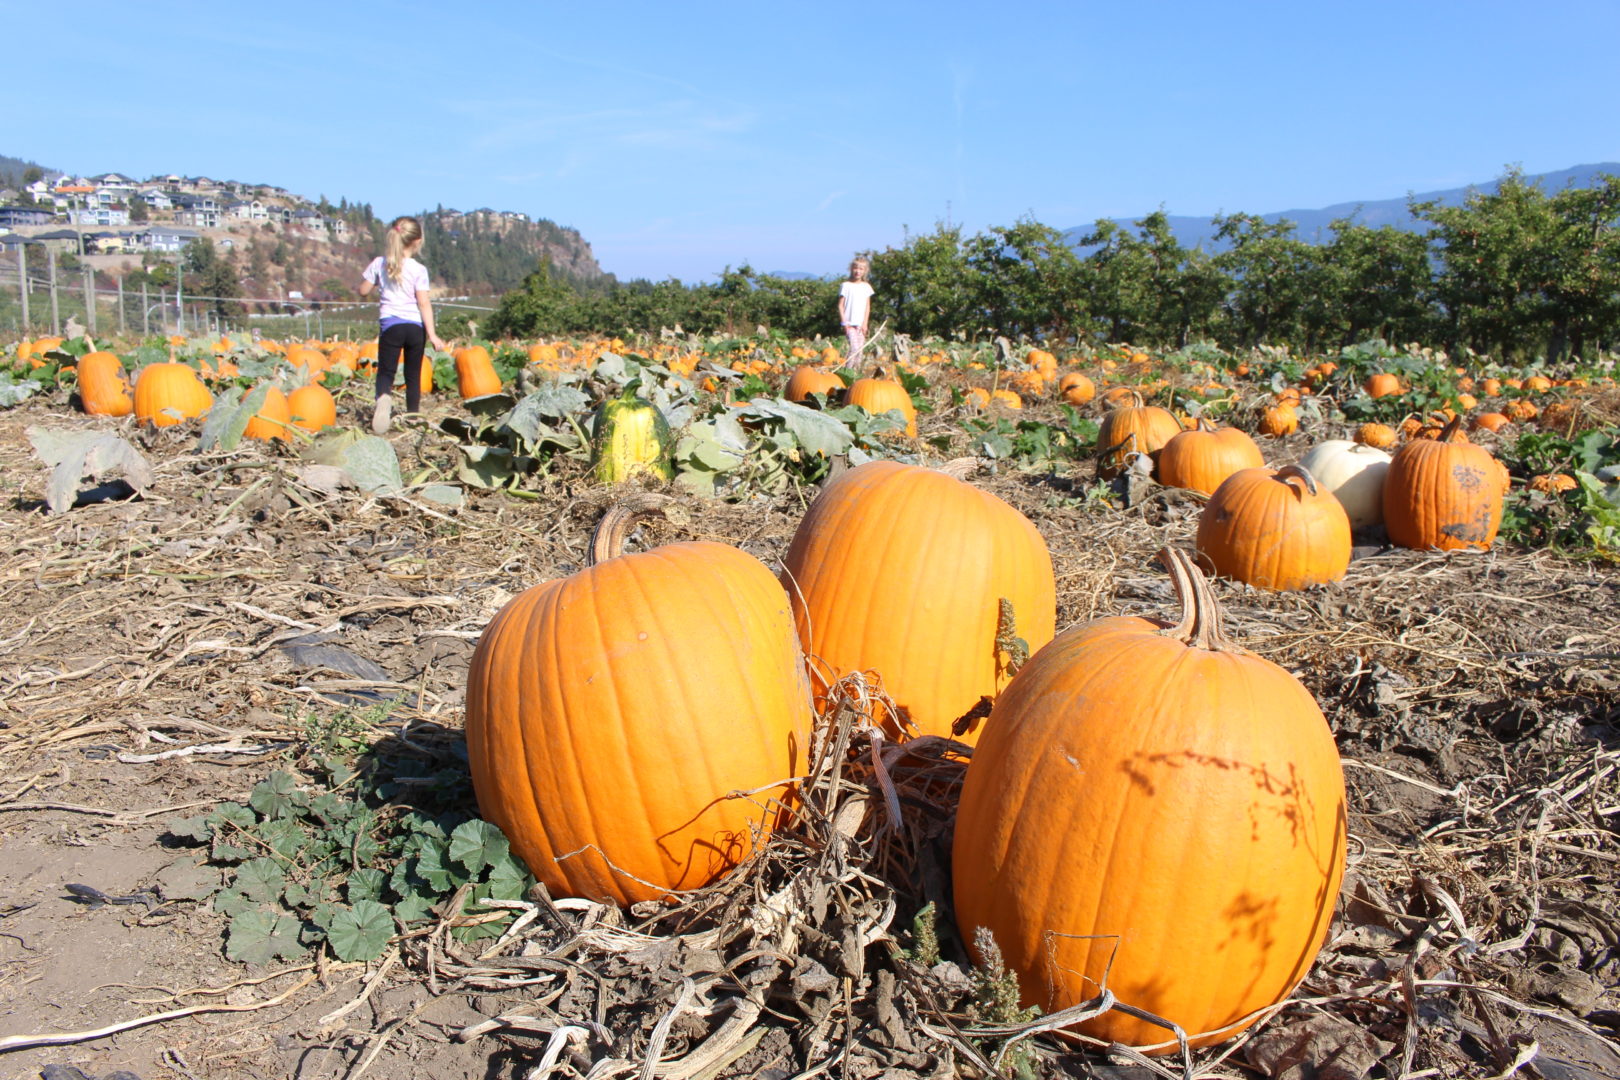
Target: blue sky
{"x":683,"y":138}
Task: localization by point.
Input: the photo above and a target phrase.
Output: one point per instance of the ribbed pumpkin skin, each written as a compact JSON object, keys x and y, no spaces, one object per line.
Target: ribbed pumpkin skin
{"x":807,"y":380}
{"x":1266,"y":529}
{"x":169,"y":386}
{"x":272,"y":419}
{"x":103,"y":387}
{"x":1185,"y":805}
{"x":632,"y":437}
{"x":312,"y":407}
{"x":1201,"y":458}
{"x":881,"y":395}
{"x":1445,"y":495}
{"x":1151,"y":426}
{"x":900,"y":570}
{"x":616,"y":708}
{"x":475,"y":372}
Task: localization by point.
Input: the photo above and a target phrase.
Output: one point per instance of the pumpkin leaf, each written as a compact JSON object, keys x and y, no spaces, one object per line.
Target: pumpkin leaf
{"x":277,"y":795}
{"x":257,"y":936}
{"x":73,"y":455}
{"x":486,"y":467}
{"x":366,"y":884}
{"x":360,"y":932}
{"x":15,"y":391}
{"x":260,"y":880}
{"x":228,"y":419}
{"x":443,"y":495}
{"x":476,"y":844}
{"x":817,"y":432}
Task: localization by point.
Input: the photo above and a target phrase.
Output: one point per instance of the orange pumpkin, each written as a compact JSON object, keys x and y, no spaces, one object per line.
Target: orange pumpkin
{"x":1076,"y":389}
{"x":1377,"y":436}
{"x":1200,"y":802}
{"x":807,"y":380}
{"x":609,"y":766}
{"x":1443,"y":493}
{"x":1489,"y":421}
{"x":1134,"y":428}
{"x":1382,"y":385}
{"x":1275,"y":530}
{"x":475,"y":372}
{"x":1006,"y":398}
{"x":168,"y":393}
{"x":312,"y":408}
{"x":1200,"y":458}
{"x":880,"y":395}
{"x":1553,"y":483}
{"x":272,"y":419}
{"x":866,"y":571}
{"x":103,"y":387}
{"x":1279,"y":420}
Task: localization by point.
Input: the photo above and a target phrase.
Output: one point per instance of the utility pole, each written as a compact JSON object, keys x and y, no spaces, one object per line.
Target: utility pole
{"x":121,"y":329}
{"x":90,"y":299}
{"x":22,"y":282}
{"x":179,"y":300}
{"x":56,"y":315}
{"x":146,"y":313}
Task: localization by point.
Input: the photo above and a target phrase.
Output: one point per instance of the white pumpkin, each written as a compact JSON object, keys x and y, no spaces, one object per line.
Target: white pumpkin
{"x":1355,"y":475}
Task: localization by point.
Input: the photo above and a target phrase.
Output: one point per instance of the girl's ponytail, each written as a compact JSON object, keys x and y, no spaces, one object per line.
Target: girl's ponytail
{"x":402,"y":233}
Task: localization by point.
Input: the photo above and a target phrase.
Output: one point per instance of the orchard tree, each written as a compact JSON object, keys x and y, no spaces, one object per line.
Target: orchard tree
{"x":1027,"y":279}
{"x":1270,"y":270}
{"x":924,"y":288}
{"x":1369,"y":283}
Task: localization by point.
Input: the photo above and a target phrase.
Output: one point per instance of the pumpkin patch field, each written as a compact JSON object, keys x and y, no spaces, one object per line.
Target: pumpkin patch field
{"x":703,"y":707}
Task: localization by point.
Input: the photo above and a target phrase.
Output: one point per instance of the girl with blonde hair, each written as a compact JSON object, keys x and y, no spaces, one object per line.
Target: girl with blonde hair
{"x":855,"y":308}
{"x":404,"y":317}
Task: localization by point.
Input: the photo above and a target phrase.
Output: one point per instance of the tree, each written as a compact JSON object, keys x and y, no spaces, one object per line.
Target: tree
{"x":1027,"y":278}
{"x":32,"y":175}
{"x":138,"y":213}
{"x":1370,"y":283}
{"x":210,"y":275}
{"x":1270,"y":270}
{"x":924,"y":288}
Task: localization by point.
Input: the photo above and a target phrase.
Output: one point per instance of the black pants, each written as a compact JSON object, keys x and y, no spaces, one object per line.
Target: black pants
{"x":413,"y":340}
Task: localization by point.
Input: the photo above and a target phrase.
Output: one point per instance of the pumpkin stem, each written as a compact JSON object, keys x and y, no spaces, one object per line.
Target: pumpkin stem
{"x":960,"y":468}
{"x":1449,"y":432}
{"x":620,"y":520}
{"x":1203,"y":424}
{"x":1300,"y":471}
{"x":1201,"y":625}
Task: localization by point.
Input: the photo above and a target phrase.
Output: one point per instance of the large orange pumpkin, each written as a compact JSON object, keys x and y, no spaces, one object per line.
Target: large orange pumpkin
{"x":103,"y":387}
{"x":613,"y":715}
{"x":168,"y":393}
{"x":1200,"y":458}
{"x":902,"y":571}
{"x":1443,"y":493}
{"x":312,"y":408}
{"x":475,"y":372}
{"x":879,"y":395}
{"x":1157,"y":810}
{"x":1076,"y":389}
{"x":807,"y":379}
{"x":1137,"y":428}
{"x":1275,"y":530}
{"x":1382,"y":385}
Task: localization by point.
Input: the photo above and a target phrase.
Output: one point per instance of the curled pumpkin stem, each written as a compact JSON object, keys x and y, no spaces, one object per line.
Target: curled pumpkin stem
{"x":1301,"y":472}
{"x":1202,"y":625}
{"x":620,"y":520}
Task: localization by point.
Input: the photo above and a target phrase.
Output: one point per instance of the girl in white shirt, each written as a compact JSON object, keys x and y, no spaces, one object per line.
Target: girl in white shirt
{"x":404,"y":317}
{"x":855,"y":308}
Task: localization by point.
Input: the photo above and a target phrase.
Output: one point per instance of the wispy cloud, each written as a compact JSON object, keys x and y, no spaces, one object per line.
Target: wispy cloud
{"x":581,"y":138}
{"x":829,"y":200}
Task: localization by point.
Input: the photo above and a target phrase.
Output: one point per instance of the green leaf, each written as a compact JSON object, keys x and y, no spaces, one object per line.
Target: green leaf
{"x":430,"y":867}
{"x":366,"y":884}
{"x":258,"y":936}
{"x":360,"y":932}
{"x":15,"y":392}
{"x":476,"y":844}
{"x":508,"y":880}
{"x":285,"y":837}
{"x":277,"y":795}
{"x":414,"y":908}
{"x":191,"y":828}
{"x":73,"y":455}
{"x":443,"y":494}
{"x":232,"y":902}
{"x":260,"y":880}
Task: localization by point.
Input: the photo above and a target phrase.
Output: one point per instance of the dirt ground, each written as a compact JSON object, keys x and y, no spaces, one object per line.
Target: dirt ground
{"x":1475,"y":698}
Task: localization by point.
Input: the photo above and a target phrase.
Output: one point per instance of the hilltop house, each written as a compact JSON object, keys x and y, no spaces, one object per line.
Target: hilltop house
{"x":12,"y":216}
{"x":99,"y":215}
{"x":198,"y":211}
{"x":246,"y":210}
{"x":164,"y":238}
{"x":156,"y":198}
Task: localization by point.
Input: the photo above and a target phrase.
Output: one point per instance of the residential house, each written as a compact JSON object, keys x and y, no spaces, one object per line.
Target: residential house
{"x":246,"y":210}
{"x":12,"y":216}
{"x":198,"y":211}
{"x":309,"y":219}
{"x":338,"y":227}
{"x":167,"y":238}
{"x":60,"y":241}
{"x":71,"y":193}
{"x":99,"y":215}
{"x":156,"y":198}
{"x":40,"y":190}
{"x":107,"y":243}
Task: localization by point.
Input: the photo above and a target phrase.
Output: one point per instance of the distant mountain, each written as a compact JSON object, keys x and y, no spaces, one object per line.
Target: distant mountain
{"x":1312,"y":225}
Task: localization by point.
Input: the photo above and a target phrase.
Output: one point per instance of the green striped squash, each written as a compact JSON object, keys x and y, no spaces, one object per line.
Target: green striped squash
{"x":631,"y":438}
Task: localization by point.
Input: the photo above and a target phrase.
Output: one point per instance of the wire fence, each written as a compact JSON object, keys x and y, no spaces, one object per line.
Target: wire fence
{"x":34,"y":304}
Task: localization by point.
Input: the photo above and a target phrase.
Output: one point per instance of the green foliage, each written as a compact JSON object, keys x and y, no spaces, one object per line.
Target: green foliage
{"x":1032,"y":444}
{"x":330,"y":855}
{"x":1585,"y":520}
